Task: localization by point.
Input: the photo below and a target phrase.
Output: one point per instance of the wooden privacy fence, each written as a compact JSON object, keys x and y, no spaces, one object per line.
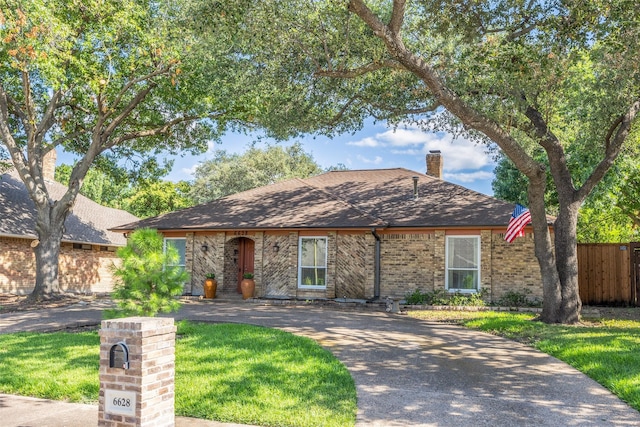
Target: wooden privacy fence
{"x":609,"y":273}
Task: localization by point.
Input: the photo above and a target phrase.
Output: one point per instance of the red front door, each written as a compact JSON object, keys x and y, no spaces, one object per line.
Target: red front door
{"x":245,"y":259}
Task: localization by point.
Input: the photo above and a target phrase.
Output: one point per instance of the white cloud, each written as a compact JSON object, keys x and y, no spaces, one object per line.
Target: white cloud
{"x":376,"y":161}
{"x":366,"y":142}
{"x":459,"y":154}
{"x":404,"y":137}
{"x":190,"y":171}
{"x":468,"y":177}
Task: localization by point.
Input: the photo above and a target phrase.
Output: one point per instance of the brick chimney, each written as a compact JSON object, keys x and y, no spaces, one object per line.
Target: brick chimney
{"x":49,"y":165}
{"x":434,"y":164}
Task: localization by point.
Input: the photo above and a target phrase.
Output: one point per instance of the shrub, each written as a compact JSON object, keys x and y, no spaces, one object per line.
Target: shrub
{"x":517,"y":299}
{"x":435,"y":297}
{"x":475,"y":299}
{"x":148,"y":280}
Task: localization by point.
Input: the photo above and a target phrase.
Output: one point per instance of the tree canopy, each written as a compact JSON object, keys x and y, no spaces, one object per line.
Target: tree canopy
{"x":142,"y":196}
{"x":609,"y":215}
{"x":232,"y":173}
{"x":552,"y":80}
{"x":107,"y":80}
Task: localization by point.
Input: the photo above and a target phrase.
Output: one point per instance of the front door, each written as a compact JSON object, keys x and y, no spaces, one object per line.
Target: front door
{"x":245,"y":259}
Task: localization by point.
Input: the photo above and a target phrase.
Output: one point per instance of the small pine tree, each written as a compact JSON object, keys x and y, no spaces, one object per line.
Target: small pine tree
{"x":148,"y":280}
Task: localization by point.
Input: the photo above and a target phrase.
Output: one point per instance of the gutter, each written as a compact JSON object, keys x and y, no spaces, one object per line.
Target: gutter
{"x":376,"y":267}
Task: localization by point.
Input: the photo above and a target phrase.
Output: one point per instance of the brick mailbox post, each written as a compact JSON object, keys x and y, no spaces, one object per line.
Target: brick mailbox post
{"x":137,"y":371}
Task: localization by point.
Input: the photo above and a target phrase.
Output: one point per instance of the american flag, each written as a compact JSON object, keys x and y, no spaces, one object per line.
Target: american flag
{"x":519,"y":219}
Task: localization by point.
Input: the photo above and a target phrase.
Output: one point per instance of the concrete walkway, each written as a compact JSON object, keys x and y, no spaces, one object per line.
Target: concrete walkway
{"x":409,"y":372}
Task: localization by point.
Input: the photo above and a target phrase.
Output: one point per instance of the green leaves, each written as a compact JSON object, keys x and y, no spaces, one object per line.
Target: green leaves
{"x":232,"y":173}
{"x":148,"y":278}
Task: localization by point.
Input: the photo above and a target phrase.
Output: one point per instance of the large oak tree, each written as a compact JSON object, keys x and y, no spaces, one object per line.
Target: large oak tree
{"x":227,"y":174}
{"x":534,"y":77}
{"x":107,"y":80}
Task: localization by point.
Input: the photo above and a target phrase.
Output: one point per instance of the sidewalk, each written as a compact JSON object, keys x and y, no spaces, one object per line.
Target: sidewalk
{"x":19,"y":411}
{"x":407,"y":372}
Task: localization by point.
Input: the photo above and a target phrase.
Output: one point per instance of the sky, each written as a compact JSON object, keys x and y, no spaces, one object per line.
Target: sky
{"x":376,"y":146}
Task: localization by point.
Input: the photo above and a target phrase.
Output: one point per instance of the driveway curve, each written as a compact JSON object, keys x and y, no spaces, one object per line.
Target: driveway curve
{"x":410,"y":372}
{"x":407,"y":372}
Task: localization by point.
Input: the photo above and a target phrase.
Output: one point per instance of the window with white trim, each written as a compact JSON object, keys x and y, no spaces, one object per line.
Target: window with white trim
{"x":463,"y":263}
{"x":312,"y":262}
{"x":180,"y":243}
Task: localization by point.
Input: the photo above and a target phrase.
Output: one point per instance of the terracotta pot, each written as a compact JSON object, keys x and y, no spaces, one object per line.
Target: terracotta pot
{"x":210,"y":287}
{"x":248,"y":286}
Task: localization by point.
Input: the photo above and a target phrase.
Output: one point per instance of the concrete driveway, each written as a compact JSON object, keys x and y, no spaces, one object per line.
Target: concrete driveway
{"x":410,"y":372}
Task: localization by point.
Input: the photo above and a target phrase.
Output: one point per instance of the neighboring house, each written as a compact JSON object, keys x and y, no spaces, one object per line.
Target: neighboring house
{"x":356,"y":234}
{"x":88,"y":247}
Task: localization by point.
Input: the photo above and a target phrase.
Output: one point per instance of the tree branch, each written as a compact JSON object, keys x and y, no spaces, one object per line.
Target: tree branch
{"x":443,"y":94}
{"x":48,"y":118}
{"x":15,"y":107}
{"x":68,"y":137}
{"x":612,"y":148}
{"x":356,"y":72}
{"x":157,"y":72}
{"x":612,"y":129}
{"x":150,"y":132}
{"x":137,"y":99}
{"x":28,"y":104}
{"x":397,"y":16}
{"x":557,"y":159}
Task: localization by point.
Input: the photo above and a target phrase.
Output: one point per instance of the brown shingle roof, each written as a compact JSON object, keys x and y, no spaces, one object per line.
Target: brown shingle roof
{"x":87,"y":223}
{"x":343,"y":199}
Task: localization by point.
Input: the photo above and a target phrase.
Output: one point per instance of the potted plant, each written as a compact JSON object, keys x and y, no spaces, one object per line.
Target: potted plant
{"x":210,"y":285}
{"x":248,"y":285}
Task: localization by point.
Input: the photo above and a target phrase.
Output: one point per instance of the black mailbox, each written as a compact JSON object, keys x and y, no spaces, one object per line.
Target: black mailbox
{"x":119,"y":356}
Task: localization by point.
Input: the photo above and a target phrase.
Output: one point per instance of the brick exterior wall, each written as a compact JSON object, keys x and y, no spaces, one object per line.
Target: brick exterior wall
{"x":353,"y":259}
{"x":80,"y":270}
{"x":277,"y":266}
{"x":514,"y":267}
{"x":409,"y":261}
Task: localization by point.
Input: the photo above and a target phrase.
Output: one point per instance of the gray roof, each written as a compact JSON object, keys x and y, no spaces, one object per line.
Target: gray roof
{"x":378,"y":198}
{"x":87,"y":223}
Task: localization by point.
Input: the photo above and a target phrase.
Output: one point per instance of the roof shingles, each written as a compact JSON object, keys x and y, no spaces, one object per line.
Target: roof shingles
{"x":342,"y":199}
{"x":88,"y":222}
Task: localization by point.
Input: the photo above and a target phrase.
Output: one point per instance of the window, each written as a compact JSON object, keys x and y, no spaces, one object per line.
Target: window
{"x":312,"y":262}
{"x":181,"y":246}
{"x":82,"y":246}
{"x":463,"y":263}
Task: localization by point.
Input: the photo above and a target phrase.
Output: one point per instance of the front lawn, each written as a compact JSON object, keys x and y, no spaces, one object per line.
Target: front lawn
{"x":232,"y":373}
{"x":606,"y":350}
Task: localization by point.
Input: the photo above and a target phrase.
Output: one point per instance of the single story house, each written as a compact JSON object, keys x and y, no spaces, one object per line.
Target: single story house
{"x":88,"y":247}
{"x":360,"y":234}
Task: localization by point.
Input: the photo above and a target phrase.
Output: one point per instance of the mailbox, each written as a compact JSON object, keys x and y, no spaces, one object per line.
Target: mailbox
{"x":119,"y":356}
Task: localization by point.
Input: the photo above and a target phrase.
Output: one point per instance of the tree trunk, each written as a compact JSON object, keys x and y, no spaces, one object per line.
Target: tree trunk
{"x":50,"y":228}
{"x":566,"y":252}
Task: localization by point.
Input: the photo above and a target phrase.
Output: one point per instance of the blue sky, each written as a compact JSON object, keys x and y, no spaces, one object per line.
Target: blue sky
{"x":376,"y":146}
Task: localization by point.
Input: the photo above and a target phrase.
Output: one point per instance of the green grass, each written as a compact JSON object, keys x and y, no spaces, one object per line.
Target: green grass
{"x":251,"y":375}
{"x":59,"y":366}
{"x":231,"y":373}
{"x":606,"y":350}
